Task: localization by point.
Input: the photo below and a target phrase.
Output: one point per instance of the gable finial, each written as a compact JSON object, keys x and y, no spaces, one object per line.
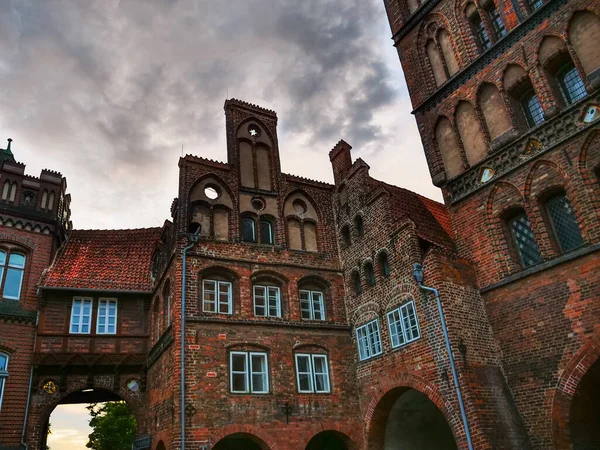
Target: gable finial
{"x":8,"y":146}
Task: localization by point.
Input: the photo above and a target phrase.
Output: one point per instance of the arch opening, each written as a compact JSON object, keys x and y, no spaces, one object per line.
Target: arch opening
{"x":241,"y":441}
{"x":329,"y":440}
{"x":584,"y":414}
{"x":406,"y":419}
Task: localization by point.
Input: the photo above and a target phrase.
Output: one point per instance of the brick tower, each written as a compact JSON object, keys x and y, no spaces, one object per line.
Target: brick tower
{"x":505,"y":97}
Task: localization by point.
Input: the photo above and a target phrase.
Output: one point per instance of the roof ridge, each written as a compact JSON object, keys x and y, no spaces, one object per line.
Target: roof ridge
{"x":243,"y":103}
{"x":301,"y":178}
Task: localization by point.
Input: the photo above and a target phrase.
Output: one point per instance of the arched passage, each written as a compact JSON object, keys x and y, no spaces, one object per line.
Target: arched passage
{"x":406,"y":419}
{"x":161,"y":446}
{"x":584,"y":417}
{"x":329,"y":440}
{"x":241,"y":441}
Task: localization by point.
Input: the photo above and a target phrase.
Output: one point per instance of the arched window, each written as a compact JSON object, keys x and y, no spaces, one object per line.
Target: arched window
{"x":248,"y":372}
{"x":5,"y":190}
{"x":563,"y":222}
{"x":358,"y":225}
{"x":584,"y":26}
{"x":481,"y":36}
{"x":3,"y":375}
{"x":384,"y":265}
{"x":494,"y":111}
{"x":561,"y":71}
{"x":51,"y":201}
{"x":369,"y":274}
{"x":167,"y":301}
{"x":13,"y":192}
{"x":267,"y":234}
{"x":295,"y":234}
{"x":266,"y":293}
{"x":12,"y":268}
{"x":44,"y":200}
{"x":346,"y":235}
{"x":523,"y":241}
{"x":524,"y":99}
{"x":248,"y":229}
{"x":356,"y":282}
{"x":312,"y":372}
{"x":302,"y":219}
{"x":155,"y":331}
{"x":534,"y":4}
{"x":312,"y":300}
{"x":495,"y":19}
{"x":448,"y":147}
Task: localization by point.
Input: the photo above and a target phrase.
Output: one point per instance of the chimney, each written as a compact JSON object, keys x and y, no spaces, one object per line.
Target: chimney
{"x":341,"y":161}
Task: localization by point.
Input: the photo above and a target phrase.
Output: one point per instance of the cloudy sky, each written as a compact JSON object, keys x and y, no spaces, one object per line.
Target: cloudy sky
{"x":107,"y":92}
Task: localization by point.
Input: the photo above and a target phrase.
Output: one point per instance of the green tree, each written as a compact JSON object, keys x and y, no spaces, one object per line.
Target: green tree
{"x":113,"y":426}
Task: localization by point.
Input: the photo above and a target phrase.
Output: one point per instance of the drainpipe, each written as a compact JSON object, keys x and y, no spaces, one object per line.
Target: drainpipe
{"x":418,"y":275}
{"x":193,"y":238}
{"x":23,"y":443}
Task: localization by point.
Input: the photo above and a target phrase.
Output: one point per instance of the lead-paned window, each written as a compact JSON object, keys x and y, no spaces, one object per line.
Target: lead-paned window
{"x":248,"y":229}
{"x":81,"y":315}
{"x":536,"y":4}
{"x":266,"y":232}
{"x":312,"y":305}
{"x":368,"y":338}
{"x":571,"y":84}
{"x":496,"y":20}
{"x":404,"y":325}
{"x":564,"y":223}
{"x":312,"y":373}
{"x":267,"y":301}
{"x":3,"y":374}
{"x":12,"y":268}
{"x":106,"y":322}
{"x":248,"y":373}
{"x":530,"y":103}
{"x":524,"y":240}
{"x":482,"y":35}
{"x":216,"y":297}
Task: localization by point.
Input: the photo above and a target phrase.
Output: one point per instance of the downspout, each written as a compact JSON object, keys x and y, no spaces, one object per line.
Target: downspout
{"x":418,"y":275}
{"x":23,"y":443}
{"x":193,"y":238}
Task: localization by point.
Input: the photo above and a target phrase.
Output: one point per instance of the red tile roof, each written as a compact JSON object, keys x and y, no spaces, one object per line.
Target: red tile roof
{"x":105,"y":260}
{"x":430,"y":217}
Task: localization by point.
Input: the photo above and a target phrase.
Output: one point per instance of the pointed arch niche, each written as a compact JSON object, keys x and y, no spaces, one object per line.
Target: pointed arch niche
{"x":301,"y":222}
{"x":255,"y":159}
{"x":210,"y":207}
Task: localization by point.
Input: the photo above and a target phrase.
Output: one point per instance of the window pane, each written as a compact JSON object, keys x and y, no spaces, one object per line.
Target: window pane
{"x":525,"y":240}
{"x":535,"y":4}
{"x":274,"y":310}
{"x":238,"y":382}
{"x":258,"y":363}
{"x":12,"y":284}
{"x":302,"y":363}
{"x":208,"y":296}
{"x":259,"y":383}
{"x":2,"y":258}
{"x":16,"y":260}
{"x":532,"y":109}
{"x":564,"y":223}
{"x":497,"y":23}
{"x":305,"y":305}
{"x":481,"y":32}
{"x":266,"y":232}
{"x":571,"y":84}
{"x":304,"y":382}
{"x":238,"y":362}
{"x":318,"y":306}
{"x":248,"y":230}
{"x":3,"y":362}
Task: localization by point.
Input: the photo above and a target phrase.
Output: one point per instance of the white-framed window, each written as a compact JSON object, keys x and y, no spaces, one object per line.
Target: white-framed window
{"x":216,"y":297}
{"x":368,"y":338}
{"x":3,"y":374}
{"x":12,"y":268}
{"x":106,"y":322}
{"x":312,"y":373}
{"x":404,"y":325}
{"x":248,"y":373}
{"x":267,"y":301}
{"x":81,"y":315}
{"x":312,"y":305}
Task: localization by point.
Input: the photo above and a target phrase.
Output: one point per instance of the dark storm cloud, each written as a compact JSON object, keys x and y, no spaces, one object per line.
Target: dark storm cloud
{"x":108,"y":91}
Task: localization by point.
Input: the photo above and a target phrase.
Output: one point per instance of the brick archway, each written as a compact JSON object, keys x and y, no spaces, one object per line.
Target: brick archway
{"x":351,"y":431}
{"x":250,"y":430}
{"x":574,"y":371}
{"x":402,"y":383}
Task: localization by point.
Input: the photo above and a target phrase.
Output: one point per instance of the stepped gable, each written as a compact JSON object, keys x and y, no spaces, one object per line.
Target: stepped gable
{"x":430,"y":217}
{"x":105,"y":260}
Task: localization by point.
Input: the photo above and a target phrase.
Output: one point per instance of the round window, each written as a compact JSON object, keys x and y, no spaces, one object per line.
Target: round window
{"x":258,"y":203}
{"x":299,"y":206}
{"x":254,"y":130}
{"x":212,"y":192}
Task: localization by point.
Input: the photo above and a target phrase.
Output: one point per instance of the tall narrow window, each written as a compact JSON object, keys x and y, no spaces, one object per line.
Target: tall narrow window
{"x":358,"y":225}
{"x":248,"y":373}
{"x":532,"y":108}
{"x":369,"y":340}
{"x":312,"y":373}
{"x":5,"y":190}
{"x":356,"y":282}
{"x":312,"y":305}
{"x":564,"y":223}
{"x":216,"y":297}
{"x":346,"y":235}
{"x":3,"y":375}
{"x":571,"y":84}
{"x":404,"y":326}
{"x":480,"y":32}
{"x":248,"y":229}
{"x":267,"y":301}
{"x":81,"y":315}
{"x":12,"y":267}
{"x":496,"y":21}
{"x":107,"y":316}
{"x":370,"y":274}
{"x":384,"y":264}
{"x":524,"y":240}
{"x":266,"y":232}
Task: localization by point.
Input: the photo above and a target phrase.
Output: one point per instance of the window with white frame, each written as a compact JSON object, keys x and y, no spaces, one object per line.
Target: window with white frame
{"x":12,"y":268}
{"x":312,"y":373}
{"x":3,"y":374}
{"x":368,"y":338}
{"x":267,"y":301}
{"x":216,"y":297}
{"x":81,"y":315}
{"x":312,"y":305}
{"x":106,"y":322}
{"x":248,"y":373}
{"x":403,"y":323}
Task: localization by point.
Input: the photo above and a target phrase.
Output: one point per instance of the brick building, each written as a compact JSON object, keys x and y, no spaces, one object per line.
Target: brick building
{"x":304,"y":327}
